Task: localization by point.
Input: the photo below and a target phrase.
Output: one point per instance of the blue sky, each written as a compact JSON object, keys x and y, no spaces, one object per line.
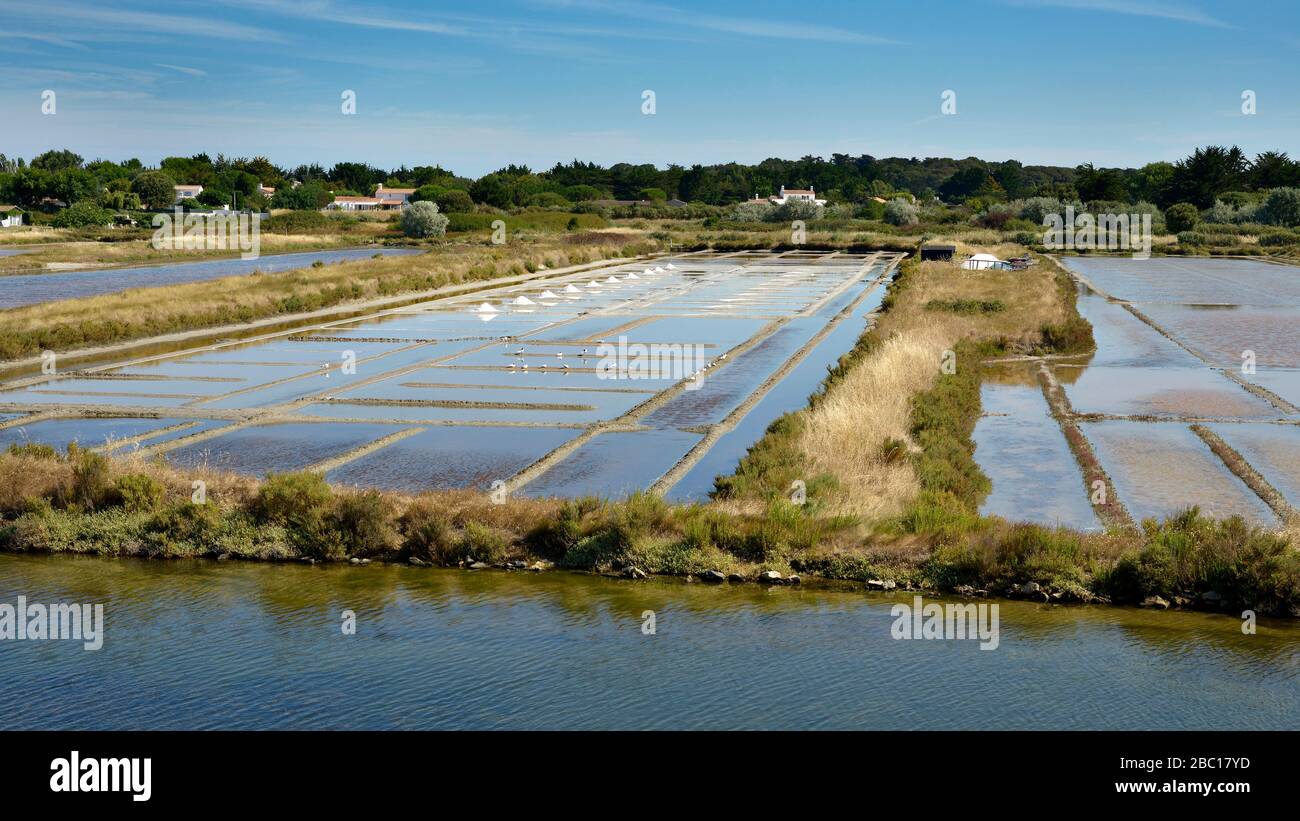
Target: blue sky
{"x":474,"y":86}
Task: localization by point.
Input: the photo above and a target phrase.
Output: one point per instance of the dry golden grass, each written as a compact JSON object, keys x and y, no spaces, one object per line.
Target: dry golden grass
{"x":844,"y":433}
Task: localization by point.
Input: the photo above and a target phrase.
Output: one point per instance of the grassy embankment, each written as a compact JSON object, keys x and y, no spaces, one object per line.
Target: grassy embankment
{"x":145,"y":312}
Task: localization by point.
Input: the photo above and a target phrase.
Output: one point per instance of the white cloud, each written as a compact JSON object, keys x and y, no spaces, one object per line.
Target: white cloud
{"x":193,"y":72}
{"x":1134,"y":8}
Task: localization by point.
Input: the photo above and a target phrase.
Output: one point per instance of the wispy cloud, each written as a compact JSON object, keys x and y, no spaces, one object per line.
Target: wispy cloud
{"x":70,"y":15}
{"x":747,"y":26}
{"x":193,"y":72}
{"x":1134,"y":8}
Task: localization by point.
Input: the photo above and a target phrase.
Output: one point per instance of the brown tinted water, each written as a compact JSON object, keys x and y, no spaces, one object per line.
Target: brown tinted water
{"x":193,"y":644}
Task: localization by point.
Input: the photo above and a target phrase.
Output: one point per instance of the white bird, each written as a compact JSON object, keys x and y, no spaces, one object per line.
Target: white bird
{"x":584,"y":352}
{"x":566,"y":366}
{"x":559,"y":354}
{"x":519,"y":352}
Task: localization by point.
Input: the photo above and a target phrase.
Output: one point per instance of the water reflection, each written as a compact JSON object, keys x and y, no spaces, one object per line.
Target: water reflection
{"x":207,"y":644}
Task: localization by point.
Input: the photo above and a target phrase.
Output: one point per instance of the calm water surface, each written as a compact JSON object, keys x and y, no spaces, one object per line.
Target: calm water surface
{"x":32,"y":289}
{"x":232,"y":645}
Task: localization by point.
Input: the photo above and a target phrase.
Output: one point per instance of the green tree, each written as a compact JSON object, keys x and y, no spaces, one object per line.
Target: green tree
{"x":1181,"y":217}
{"x":61,"y":160}
{"x":1273,"y":169}
{"x":157,"y":190}
{"x":454,"y":201}
{"x":1283,"y":207}
{"x":1208,"y":172}
{"x":309,"y":196}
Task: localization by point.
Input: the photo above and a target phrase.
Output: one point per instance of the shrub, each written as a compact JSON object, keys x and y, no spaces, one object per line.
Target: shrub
{"x":186,"y":529}
{"x":300,"y":502}
{"x":1181,"y":217}
{"x":84,"y":214}
{"x":427,"y":535}
{"x":363,"y":523}
{"x":422,"y":220}
{"x":482,"y":544}
{"x":139,"y":492}
{"x":1277,"y":238}
{"x":751,"y":212}
{"x":548,"y":199}
{"x":454,"y":200}
{"x":1072,"y":336}
{"x":33,"y":449}
{"x":301,"y":222}
{"x":556,"y":536}
{"x":90,"y":485}
{"x":967,"y":306}
{"x":901,"y":212}
{"x":1283,"y":207}
{"x":797,"y":210}
{"x":1035,"y":209}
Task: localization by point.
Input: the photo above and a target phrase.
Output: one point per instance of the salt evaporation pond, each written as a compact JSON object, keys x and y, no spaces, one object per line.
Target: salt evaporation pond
{"x":498,"y":395}
{"x":33,"y":289}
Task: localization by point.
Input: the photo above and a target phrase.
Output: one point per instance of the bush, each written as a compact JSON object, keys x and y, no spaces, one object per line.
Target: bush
{"x":285,"y":498}
{"x":797,"y":210}
{"x":1035,"y":209}
{"x":84,"y":214}
{"x":301,"y":222}
{"x":422,"y":220}
{"x":901,"y":212}
{"x":1181,"y":217}
{"x":454,"y":200}
{"x":1283,"y":207}
{"x":1072,"y":336}
{"x":1277,"y":238}
{"x":363,"y":523}
{"x":548,"y":199}
{"x":139,"y":492}
{"x":300,"y":502}
{"x":187,"y":529}
{"x":427,"y":535}
{"x":90,"y":486}
{"x":481,"y":543}
{"x":751,"y":212}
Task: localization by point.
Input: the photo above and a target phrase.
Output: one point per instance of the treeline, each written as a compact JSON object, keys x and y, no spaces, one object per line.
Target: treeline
{"x":1201,"y":179}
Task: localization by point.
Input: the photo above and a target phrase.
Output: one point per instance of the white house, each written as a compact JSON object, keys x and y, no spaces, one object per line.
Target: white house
{"x":788,"y":195}
{"x":796,"y":195}
{"x":399,"y":196}
{"x":355,"y":204}
{"x":11,"y":216}
{"x":187,"y":192}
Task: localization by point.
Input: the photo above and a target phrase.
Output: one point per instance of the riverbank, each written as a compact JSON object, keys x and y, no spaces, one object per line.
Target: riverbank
{"x":890,"y":491}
